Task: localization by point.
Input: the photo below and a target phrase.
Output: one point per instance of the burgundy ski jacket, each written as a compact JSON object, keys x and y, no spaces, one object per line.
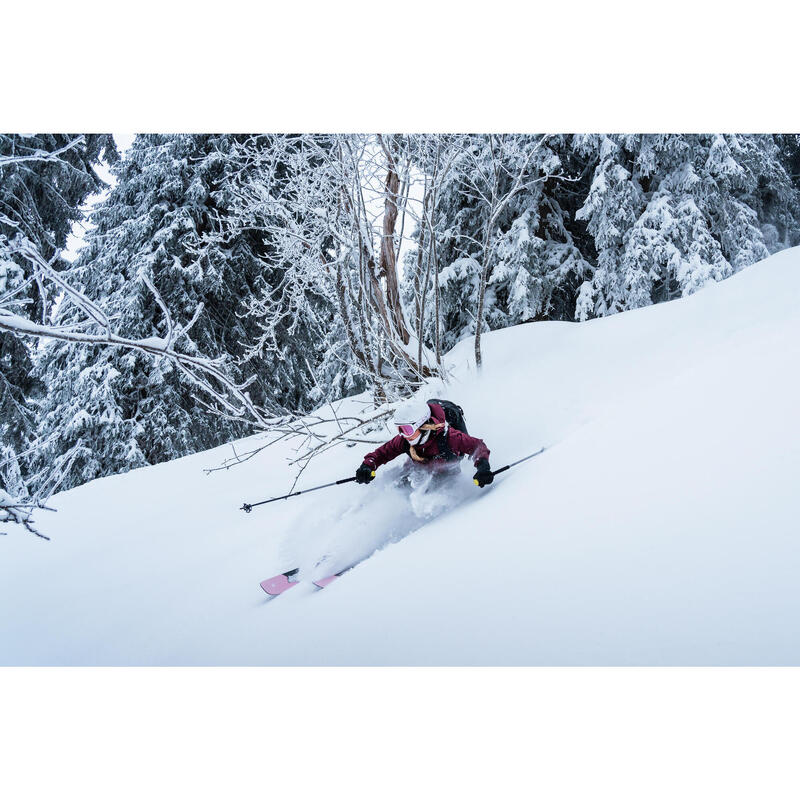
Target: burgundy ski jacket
{"x":460,"y":444}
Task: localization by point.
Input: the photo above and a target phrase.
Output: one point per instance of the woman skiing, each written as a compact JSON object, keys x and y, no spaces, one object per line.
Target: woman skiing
{"x":425,"y":434}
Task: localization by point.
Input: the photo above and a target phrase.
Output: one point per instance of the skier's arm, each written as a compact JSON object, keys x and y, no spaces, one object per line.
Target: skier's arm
{"x":462,"y":444}
{"x":386,"y":452}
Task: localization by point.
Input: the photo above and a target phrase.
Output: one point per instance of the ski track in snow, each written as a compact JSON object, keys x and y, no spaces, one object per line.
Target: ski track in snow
{"x":660,"y":526}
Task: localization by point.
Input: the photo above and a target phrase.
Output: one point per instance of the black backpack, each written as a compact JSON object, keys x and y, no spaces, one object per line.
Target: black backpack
{"x":453,"y":414}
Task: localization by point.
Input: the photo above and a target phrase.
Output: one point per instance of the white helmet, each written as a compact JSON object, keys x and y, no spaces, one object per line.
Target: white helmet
{"x":413,"y":413}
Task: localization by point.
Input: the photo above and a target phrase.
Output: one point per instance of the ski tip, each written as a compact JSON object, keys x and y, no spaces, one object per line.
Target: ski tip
{"x":277,"y":585}
{"x":323,"y":582}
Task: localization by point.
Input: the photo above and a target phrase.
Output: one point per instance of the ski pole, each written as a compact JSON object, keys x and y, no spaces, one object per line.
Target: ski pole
{"x":248,"y":507}
{"x":514,"y":463}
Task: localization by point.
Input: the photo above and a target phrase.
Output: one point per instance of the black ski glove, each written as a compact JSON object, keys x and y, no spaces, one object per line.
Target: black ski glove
{"x":364,"y":474}
{"x":484,"y":474}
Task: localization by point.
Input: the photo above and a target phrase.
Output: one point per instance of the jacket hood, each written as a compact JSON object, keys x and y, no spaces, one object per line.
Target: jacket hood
{"x":437,"y":413}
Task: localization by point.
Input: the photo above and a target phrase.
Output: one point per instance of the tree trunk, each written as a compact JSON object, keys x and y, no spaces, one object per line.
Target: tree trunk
{"x":421,"y":287}
{"x":437,"y":313}
{"x":388,"y":261}
{"x":481,"y":295}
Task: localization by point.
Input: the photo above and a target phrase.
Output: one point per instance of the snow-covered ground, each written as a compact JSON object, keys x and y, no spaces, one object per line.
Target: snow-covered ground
{"x":661,"y":526}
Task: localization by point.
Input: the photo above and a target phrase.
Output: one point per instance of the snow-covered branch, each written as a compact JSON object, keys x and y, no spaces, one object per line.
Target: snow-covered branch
{"x":19,"y":512}
{"x":94,"y":327}
{"x":203,"y":371}
{"x":41,"y":155}
{"x":329,"y":206}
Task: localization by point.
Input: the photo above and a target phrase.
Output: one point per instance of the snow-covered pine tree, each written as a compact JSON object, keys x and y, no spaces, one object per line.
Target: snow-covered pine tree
{"x":669,"y":213}
{"x":645,"y":218}
{"x":44,"y":181}
{"x":780,"y":208}
{"x":788,"y":145}
{"x":612,"y":203}
{"x":121,"y":408}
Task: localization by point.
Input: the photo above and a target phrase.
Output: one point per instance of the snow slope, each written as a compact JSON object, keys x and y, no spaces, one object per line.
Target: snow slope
{"x":660,"y":526}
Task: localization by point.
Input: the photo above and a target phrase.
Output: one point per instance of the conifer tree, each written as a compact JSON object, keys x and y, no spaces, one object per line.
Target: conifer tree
{"x":123,"y":409}
{"x":669,"y":213}
{"x":44,"y":181}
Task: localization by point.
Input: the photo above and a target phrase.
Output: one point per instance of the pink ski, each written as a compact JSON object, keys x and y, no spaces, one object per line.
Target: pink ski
{"x":279,"y":583}
{"x":323,"y":582}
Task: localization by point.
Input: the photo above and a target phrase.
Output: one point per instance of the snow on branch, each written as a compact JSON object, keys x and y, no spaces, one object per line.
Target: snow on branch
{"x":41,"y":155}
{"x":330,"y":206}
{"x":206,"y":373}
{"x":222,"y":395}
{"x":20,"y":512}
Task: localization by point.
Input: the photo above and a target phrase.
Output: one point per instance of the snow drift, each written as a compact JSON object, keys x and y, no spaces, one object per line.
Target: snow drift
{"x":660,"y":526}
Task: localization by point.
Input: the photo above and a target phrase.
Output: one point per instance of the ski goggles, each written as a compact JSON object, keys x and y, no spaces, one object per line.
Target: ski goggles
{"x":407,"y":430}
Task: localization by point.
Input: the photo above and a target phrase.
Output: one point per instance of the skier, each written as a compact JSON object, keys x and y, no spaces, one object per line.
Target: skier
{"x":428,"y":438}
